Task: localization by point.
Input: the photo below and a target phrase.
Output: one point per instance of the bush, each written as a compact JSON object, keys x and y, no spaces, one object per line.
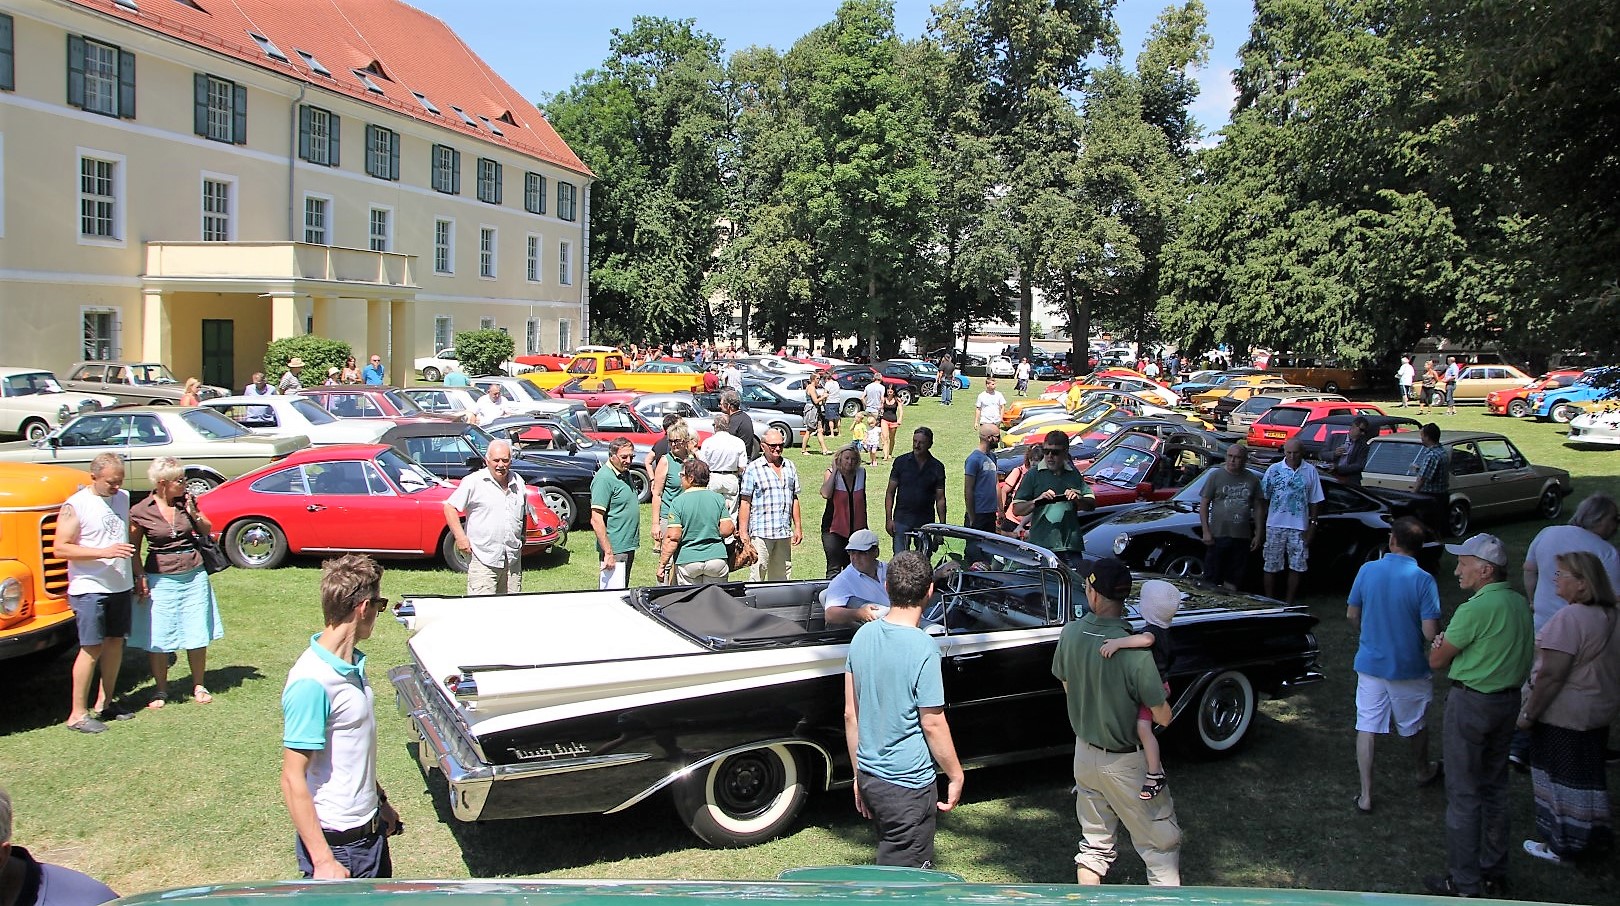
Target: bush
{"x":318,"y":353}
{"x":483,"y":351}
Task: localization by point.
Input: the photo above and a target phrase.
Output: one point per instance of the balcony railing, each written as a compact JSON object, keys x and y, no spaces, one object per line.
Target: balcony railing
{"x":279,"y":261}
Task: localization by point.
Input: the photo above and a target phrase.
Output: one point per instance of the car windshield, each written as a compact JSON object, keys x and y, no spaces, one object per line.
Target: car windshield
{"x":32,"y":383}
{"x":212,"y":425}
{"x":151,"y":374}
{"x":479,"y":438}
{"x":572,"y":431}
{"x":1122,"y":466}
{"x":403,"y":403}
{"x":525,"y":388}
{"x":404,"y":472}
{"x":314,"y":414}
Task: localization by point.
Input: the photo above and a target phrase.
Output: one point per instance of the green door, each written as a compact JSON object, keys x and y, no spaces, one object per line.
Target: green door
{"x":219,"y":353}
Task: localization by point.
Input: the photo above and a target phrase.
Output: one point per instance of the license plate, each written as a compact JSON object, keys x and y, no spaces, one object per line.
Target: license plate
{"x":1276,"y":434}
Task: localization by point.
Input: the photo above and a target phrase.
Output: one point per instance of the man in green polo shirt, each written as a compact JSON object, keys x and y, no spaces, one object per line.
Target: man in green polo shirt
{"x":616,"y":515}
{"x":1488,"y":648}
{"x":1055,"y":492}
{"x":1104,"y":695}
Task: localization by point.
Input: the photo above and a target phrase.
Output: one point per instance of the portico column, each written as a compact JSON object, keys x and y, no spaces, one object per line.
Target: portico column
{"x":287,"y":314}
{"x":157,"y":340}
{"x":377,"y":329}
{"x":402,"y":350}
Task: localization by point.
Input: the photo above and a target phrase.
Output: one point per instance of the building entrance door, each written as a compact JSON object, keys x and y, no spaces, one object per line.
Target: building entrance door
{"x":219,"y":353}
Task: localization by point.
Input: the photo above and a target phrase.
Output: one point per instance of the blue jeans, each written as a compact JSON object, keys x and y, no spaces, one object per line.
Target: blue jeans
{"x":947,"y":387}
{"x":367,"y":857}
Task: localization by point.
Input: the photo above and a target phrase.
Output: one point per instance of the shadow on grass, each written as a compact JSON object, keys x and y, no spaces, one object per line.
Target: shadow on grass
{"x":38,"y":689}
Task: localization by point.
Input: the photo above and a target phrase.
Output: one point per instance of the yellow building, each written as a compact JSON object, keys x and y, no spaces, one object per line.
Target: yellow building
{"x":185,"y":180}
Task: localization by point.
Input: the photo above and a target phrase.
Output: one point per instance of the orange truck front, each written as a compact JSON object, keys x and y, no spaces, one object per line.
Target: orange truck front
{"x":34,"y":611}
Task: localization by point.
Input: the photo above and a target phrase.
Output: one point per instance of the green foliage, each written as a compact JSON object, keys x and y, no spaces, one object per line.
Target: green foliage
{"x":483,"y":351}
{"x":318,"y":353}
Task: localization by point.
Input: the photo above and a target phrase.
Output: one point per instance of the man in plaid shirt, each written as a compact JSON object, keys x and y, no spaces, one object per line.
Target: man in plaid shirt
{"x":1432,"y":466}
{"x":768,"y":511}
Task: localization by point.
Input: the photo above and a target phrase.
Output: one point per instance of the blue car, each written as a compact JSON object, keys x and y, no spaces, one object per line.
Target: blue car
{"x":1558,"y":403}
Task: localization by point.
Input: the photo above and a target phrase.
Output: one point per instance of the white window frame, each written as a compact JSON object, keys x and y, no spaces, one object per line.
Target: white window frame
{"x":328,"y":229}
{"x":371,"y":234}
{"x":534,"y":270}
{"x":221,"y":115}
{"x":531,"y":336}
{"x":565,"y":263}
{"x":449,"y":332}
{"x":119,"y":198}
{"x":534,"y":192}
{"x":231,"y":196}
{"x":568,"y":211}
{"x":2,"y":185}
{"x":565,"y":336}
{"x":449,"y":268}
{"x":320,"y":153}
{"x":488,"y":252}
{"x":115,"y":342}
{"x":486,"y":323}
{"x":97,"y":78}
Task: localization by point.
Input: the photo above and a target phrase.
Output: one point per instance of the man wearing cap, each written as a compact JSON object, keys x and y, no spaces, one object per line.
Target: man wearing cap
{"x":1104,"y":695}
{"x":894,"y":721}
{"x":1395,"y":610}
{"x":1055,"y":492}
{"x":857,"y":594}
{"x":979,"y":499}
{"x":289,"y":382}
{"x":1488,"y":648}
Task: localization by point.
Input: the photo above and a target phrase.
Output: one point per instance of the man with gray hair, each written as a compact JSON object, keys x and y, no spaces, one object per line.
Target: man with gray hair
{"x":497,"y":506}
{"x":739,"y":422}
{"x":726,"y":455}
{"x":26,"y":881}
{"x":92,"y":535}
{"x":1590,"y":529}
{"x":616,"y":515}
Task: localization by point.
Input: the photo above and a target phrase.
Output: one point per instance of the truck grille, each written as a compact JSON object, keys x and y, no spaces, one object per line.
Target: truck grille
{"x":53,"y":569}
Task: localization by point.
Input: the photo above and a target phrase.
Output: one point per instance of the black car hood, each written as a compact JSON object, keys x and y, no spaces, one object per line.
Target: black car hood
{"x":555,"y":468}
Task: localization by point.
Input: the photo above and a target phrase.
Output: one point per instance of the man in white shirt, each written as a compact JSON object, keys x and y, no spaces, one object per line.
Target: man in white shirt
{"x":92,"y":535}
{"x":857,"y":594}
{"x":1404,"y":376}
{"x":731,"y":376}
{"x":726,"y":454}
{"x":497,"y":506}
{"x":259,"y":387}
{"x":872,"y":397}
{"x":1022,"y":375}
{"x":987,"y":409}
{"x":489,"y":407}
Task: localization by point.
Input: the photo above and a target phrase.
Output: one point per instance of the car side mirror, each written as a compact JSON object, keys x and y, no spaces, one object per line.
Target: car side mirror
{"x":475,"y":462}
{"x":1143,"y":490}
{"x":572,"y":448}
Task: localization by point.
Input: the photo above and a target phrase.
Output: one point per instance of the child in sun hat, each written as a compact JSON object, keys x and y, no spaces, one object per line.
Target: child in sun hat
{"x":1157,"y":603}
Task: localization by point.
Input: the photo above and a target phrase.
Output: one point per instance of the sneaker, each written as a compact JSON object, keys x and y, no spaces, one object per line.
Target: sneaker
{"x":1540,"y":851}
{"x":1443,"y":886}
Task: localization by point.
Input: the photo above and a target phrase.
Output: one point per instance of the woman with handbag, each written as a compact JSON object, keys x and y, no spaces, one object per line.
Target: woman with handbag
{"x":815,"y":396}
{"x":844,"y":489}
{"x":178,"y":611}
{"x":1574,"y":696}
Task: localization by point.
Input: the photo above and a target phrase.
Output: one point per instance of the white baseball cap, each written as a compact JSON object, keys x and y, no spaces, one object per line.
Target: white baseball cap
{"x":1485,"y":547}
{"x":862,"y":540}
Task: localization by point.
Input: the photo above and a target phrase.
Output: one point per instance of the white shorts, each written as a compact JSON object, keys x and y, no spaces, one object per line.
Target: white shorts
{"x":1377,"y":699}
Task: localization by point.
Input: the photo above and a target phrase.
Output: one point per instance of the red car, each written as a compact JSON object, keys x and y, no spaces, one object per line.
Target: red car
{"x":347,"y":498}
{"x":543,"y":362}
{"x":593,"y":392}
{"x":1130,"y":475}
{"x":1515,"y":402}
{"x":617,"y":420}
{"x":362,"y":401}
{"x":1282,"y":421}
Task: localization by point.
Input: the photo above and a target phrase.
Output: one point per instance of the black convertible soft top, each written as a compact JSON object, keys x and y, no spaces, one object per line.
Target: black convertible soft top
{"x":712,"y":614}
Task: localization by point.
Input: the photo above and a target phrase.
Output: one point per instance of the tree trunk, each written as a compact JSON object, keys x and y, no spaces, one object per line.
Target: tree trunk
{"x":1026,"y":309}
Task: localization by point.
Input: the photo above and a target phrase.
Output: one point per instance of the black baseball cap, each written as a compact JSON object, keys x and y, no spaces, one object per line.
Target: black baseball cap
{"x":1111,"y":578}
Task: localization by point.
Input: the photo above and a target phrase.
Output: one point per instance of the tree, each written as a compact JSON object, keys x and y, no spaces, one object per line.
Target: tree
{"x":483,"y":351}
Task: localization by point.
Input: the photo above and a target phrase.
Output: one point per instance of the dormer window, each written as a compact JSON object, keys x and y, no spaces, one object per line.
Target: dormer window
{"x":426,"y":104}
{"x":365,"y":79}
{"x":464,"y":117}
{"x":313,"y":64}
{"x":492,"y":127}
{"x":269,"y":47}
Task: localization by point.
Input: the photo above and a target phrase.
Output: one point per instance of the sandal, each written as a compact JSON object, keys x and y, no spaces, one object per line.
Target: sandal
{"x":201,"y":696}
{"x":1153,"y":785}
{"x":159,"y":699}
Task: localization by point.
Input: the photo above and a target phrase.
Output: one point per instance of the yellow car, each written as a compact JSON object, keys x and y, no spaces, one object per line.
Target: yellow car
{"x":1070,"y":427}
{"x":1207,"y":399}
{"x":1018,"y":409}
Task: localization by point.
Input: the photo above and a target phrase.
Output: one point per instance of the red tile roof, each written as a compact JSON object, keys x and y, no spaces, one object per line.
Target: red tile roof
{"x":412,"y":50}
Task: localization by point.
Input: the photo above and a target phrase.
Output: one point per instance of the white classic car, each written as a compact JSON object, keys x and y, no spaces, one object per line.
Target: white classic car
{"x":1000,"y":367}
{"x":434,"y":367}
{"x":1598,"y":429}
{"x":291,"y":416}
{"x":32,"y":402}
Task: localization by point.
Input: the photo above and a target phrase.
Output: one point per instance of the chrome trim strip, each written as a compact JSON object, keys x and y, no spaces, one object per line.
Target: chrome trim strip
{"x":687,"y":771}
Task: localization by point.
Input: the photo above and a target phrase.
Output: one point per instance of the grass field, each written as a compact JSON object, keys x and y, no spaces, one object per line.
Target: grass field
{"x":188,"y":795}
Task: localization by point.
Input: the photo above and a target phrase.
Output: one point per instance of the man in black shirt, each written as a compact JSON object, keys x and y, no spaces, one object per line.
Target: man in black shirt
{"x":916,"y":493}
{"x":739,"y":423}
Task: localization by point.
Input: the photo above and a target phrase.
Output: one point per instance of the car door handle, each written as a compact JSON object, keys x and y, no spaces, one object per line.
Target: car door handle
{"x":961,"y":659}
{"x":314,"y":508}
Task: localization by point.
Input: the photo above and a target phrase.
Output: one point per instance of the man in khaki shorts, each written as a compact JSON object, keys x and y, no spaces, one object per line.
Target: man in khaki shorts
{"x":497,"y":506}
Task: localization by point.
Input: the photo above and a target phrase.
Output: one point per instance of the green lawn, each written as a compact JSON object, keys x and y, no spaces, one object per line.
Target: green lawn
{"x":188,"y":795}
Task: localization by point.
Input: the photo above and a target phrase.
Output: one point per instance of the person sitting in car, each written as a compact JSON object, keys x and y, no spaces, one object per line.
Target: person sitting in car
{"x":857,"y":594}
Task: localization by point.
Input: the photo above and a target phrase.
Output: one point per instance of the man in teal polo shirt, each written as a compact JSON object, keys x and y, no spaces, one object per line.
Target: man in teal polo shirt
{"x":1056,"y":493}
{"x":616,"y":515}
{"x":1488,"y":647}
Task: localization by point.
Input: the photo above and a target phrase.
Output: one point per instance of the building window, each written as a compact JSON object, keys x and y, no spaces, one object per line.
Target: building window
{"x":100,"y":335}
{"x":534,"y":193}
{"x":531,"y":336}
{"x":101,"y":78}
{"x":315,"y":220}
{"x":443,"y":332}
{"x":318,"y":134}
{"x":446,"y":175}
{"x":565,"y":336}
{"x":565,"y":200}
{"x":565,"y":264}
{"x":532,"y":260}
{"x":381,"y":230}
{"x":221,"y":109}
{"x":8,"y":57}
{"x":382,"y":152}
{"x":99,"y":186}
{"x":486,"y":323}
{"x":216,"y":208}
{"x":489,"y":181}
{"x":444,"y":246}
{"x":486,"y":252}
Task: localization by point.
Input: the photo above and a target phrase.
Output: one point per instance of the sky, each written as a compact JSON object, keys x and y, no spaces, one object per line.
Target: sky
{"x":539,"y":46}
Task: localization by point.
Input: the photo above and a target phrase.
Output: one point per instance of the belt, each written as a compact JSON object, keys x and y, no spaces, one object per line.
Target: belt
{"x":1125,"y":751}
{"x":722,"y":473}
{"x":354,"y":834}
{"x":1459,"y":684}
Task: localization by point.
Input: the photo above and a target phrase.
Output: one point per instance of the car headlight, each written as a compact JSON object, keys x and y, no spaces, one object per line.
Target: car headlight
{"x":63,"y":414}
{"x":11,"y":597}
{"x":1121,"y":542}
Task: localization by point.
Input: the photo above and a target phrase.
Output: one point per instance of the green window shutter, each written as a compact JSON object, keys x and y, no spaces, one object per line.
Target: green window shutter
{"x":455,"y":172}
{"x":365,"y":151}
{"x":542,"y":195}
{"x":303,"y":131}
{"x":126,"y":85}
{"x":8,"y":60}
{"x":239,"y":116}
{"x":75,"y":75}
{"x":393,"y":156}
{"x":335,"y":127}
{"x":498,"y":182}
{"x":199,"y":91}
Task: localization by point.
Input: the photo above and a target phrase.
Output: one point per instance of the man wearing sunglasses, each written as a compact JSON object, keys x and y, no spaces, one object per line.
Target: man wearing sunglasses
{"x":768,"y":511}
{"x":1055,"y":493}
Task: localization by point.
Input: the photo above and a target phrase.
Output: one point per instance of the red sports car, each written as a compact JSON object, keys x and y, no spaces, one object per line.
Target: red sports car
{"x":1130,"y":475}
{"x":544,"y":362}
{"x":359,"y":401}
{"x":594,"y":392}
{"x":348,"y":498}
{"x":618,"y":420}
{"x":1516,"y":402}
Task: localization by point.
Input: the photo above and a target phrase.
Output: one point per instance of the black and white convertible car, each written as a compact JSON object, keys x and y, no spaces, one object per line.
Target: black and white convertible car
{"x":730,"y":697}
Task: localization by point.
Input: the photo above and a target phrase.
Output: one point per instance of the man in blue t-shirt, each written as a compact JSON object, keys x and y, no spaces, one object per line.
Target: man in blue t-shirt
{"x":979,"y":500}
{"x":1395,"y":607}
{"x":894,"y":721}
